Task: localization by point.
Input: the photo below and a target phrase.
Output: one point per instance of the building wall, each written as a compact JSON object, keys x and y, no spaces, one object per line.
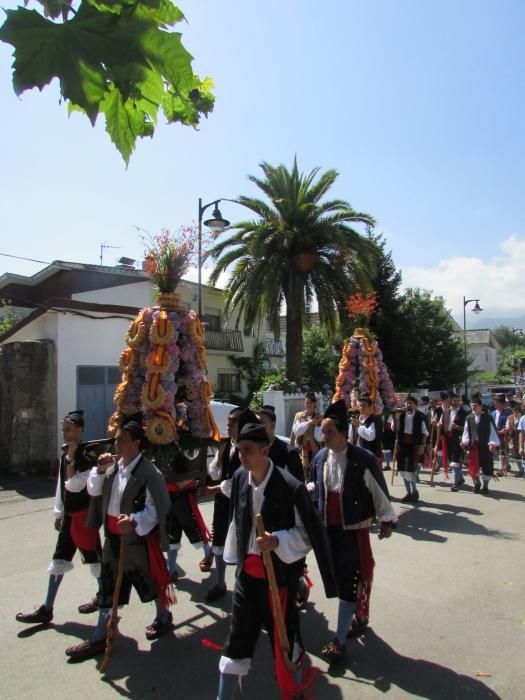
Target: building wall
{"x":483,"y":358}
{"x":138,"y":294}
{"x":83,"y":341}
{"x":28,"y":435}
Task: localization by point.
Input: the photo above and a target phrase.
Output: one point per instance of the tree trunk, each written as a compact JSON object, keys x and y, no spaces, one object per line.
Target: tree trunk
{"x":294,"y":337}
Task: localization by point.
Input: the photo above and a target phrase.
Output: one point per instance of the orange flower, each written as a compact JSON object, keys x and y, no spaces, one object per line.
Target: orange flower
{"x":359,"y":305}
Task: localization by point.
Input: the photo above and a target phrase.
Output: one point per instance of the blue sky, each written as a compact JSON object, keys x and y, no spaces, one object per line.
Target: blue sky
{"x":419,"y":105}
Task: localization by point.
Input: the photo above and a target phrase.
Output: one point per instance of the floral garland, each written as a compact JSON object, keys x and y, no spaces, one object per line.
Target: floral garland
{"x":164,"y":377}
{"x":362,"y":371}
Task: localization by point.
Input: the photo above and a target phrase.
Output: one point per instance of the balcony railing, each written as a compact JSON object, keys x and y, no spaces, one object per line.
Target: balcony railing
{"x":229,"y":341}
{"x":275,"y":348}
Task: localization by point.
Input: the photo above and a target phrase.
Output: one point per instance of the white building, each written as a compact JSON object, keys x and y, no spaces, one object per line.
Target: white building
{"x":85,"y":311}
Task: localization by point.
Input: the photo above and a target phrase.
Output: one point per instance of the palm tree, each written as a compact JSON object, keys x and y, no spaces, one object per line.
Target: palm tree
{"x":297,"y":251}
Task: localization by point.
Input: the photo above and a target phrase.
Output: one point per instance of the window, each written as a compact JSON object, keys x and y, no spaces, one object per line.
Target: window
{"x":212,"y":319}
{"x":228,"y":383}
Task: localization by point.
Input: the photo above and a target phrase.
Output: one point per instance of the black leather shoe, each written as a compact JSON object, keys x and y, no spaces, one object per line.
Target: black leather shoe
{"x":477,"y":488}
{"x":485,"y":490}
{"x":159,"y":627}
{"x":42,"y":616}
{"x":215,"y":593}
{"x":87,"y":608}
{"x":358,"y":627}
{"x":86,"y":650}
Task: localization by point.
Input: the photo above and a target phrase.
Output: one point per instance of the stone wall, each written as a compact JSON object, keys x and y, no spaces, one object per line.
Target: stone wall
{"x":28,"y":407}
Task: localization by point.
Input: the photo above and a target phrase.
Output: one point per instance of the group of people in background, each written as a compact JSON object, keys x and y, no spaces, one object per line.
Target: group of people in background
{"x":320,"y":493}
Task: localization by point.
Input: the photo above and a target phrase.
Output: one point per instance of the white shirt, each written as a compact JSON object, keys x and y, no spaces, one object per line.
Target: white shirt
{"x":294,"y":543}
{"x":145,"y":519}
{"x":409,"y":424}
{"x":493,"y":437}
{"x":74,"y":484}
{"x":335,"y":470}
{"x":300,"y":427}
{"x":369,"y":433}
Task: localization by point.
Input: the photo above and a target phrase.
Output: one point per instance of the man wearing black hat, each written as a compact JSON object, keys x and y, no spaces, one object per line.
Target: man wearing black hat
{"x":134,"y":506}
{"x":452,"y":424}
{"x":350,"y":492}
{"x":221,"y":469}
{"x":481,"y":439}
{"x":305,"y":431}
{"x":71,"y":510}
{"x":411,"y":438}
{"x":499,"y":416}
{"x":292,"y":529}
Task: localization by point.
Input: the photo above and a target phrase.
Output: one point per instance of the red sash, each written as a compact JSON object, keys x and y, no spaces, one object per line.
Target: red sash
{"x":473,"y":461}
{"x":84,"y":537}
{"x":333,"y":508}
{"x":253,"y":566}
{"x":444,"y":455}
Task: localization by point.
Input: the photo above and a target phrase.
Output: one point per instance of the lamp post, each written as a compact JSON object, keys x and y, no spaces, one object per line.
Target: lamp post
{"x":517,"y":331}
{"x":216,"y":224}
{"x":476,"y":310}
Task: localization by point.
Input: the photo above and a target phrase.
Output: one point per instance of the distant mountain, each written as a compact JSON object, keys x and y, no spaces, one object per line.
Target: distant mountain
{"x":482,"y":321}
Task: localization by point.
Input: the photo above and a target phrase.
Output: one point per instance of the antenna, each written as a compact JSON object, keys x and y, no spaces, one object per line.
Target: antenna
{"x":103,"y":246}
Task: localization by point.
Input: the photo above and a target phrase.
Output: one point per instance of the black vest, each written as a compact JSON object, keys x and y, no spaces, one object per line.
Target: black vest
{"x":416,"y":426}
{"x":74,"y":502}
{"x":375,"y":445}
{"x":229,"y":465}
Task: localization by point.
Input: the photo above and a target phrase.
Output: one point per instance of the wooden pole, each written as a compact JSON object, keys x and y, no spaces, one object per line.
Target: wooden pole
{"x":279,"y":626}
{"x":112,"y":622}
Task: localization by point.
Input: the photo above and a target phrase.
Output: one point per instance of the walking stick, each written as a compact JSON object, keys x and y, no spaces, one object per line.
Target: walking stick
{"x":394,"y":462}
{"x":112,"y":622}
{"x":434,"y":459}
{"x":280,"y":628}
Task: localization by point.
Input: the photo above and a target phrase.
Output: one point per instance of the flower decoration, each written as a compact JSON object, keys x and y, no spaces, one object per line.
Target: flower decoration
{"x":362,"y":371}
{"x":360,"y":307}
{"x":168,"y":256}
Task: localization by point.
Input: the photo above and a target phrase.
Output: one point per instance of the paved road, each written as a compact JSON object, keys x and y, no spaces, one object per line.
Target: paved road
{"x":448,"y":603}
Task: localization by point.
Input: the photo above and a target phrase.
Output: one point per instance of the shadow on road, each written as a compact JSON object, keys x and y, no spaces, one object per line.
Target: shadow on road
{"x":30,"y":487}
{"x":421,"y":523}
{"x":373,"y":661}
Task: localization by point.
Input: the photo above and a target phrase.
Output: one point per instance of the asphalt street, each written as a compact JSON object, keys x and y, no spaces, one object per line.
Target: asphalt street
{"x":447,"y":611}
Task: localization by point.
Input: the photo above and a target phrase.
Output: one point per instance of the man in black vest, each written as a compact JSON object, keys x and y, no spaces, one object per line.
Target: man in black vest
{"x":370,"y":429}
{"x":481,"y":438}
{"x":411,"y":437}
{"x":281,"y":454}
{"x":292,"y":528}
{"x":133,"y":505}
{"x":350,"y":493}
{"x":221,"y":469}
{"x":452,"y":424}
{"x":71,"y":509}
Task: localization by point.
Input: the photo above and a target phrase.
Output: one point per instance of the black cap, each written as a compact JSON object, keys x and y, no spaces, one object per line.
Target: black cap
{"x":267,"y":407}
{"x":255,"y":432}
{"x":337,"y":410}
{"x":443,"y":395}
{"x":411,"y":398}
{"x":267,"y":412}
{"x":75,"y":417}
{"x":245,"y":417}
{"x":134,"y":428}
{"x":500,"y":397}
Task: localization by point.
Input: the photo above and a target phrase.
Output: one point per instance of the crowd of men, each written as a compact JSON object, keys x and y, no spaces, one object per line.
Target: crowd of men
{"x":320,"y":493}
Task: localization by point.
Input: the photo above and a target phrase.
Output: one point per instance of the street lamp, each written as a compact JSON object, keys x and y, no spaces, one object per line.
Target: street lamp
{"x":476,"y":310}
{"x":217,"y":224}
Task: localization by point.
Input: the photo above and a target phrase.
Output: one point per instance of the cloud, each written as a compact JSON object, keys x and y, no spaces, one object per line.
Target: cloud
{"x":499,"y":283}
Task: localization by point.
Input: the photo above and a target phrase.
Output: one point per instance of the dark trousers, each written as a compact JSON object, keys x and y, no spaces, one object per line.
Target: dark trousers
{"x":251,"y":611}
{"x":344,"y":549}
{"x":181,"y":519}
{"x":136,"y":572}
{"x":65,"y":548}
